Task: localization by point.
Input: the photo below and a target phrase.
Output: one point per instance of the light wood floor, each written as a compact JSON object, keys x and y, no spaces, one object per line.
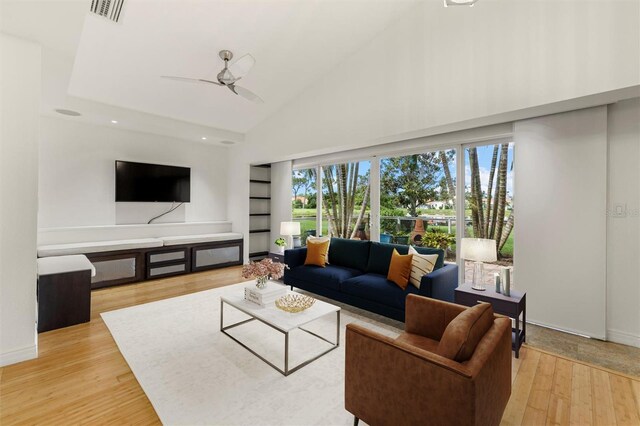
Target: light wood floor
{"x":80,"y":377}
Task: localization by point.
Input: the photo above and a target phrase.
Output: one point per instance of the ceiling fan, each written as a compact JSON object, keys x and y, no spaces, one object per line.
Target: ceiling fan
{"x":229,"y":75}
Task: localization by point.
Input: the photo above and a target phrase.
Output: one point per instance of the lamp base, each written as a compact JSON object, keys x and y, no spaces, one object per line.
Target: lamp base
{"x":477,"y":277}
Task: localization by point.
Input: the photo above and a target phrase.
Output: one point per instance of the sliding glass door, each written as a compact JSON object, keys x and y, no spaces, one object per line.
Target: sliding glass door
{"x":304,"y":201}
{"x":489,"y":207}
{"x":418,"y":200}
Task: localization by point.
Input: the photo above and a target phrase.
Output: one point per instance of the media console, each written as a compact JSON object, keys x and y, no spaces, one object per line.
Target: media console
{"x":149,"y":252}
{"x":133,"y":265}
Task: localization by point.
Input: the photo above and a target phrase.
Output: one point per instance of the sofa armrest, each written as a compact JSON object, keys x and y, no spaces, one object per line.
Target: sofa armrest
{"x":383,"y":378}
{"x":441,"y":283}
{"x":295,"y":257}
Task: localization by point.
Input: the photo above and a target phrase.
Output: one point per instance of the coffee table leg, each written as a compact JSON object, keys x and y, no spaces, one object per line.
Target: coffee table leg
{"x":286,"y":353}
{"x":221,"y":313}
{"x":337,"y":328}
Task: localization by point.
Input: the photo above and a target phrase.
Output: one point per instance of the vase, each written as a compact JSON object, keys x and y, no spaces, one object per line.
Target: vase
{"x":261,"y":282}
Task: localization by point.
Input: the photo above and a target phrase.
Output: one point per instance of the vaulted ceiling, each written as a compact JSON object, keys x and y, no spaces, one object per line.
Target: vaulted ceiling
{"x":119,"y":64}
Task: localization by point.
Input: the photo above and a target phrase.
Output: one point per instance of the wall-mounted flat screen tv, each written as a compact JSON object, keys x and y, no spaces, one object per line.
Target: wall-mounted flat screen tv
{"x":152,"y":182}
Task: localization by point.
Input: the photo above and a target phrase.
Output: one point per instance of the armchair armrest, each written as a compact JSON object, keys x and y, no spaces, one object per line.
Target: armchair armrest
{"x":441,"y":283}
{"x":295,"y":257}
{"x":383,"y":378}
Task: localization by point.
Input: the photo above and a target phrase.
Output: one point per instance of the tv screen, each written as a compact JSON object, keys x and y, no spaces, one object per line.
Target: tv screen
{"x":152,"y":182}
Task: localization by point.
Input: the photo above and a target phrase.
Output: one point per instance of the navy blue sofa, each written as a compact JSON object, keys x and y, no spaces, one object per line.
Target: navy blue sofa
{"x":357,"y":275}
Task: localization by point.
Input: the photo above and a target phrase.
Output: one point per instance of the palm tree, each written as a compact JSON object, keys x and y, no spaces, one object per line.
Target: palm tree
{"x":339,"y":202}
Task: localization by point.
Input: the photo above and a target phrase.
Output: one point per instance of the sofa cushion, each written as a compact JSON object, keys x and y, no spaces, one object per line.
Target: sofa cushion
{"x":330,"y":276}
{"x":465,"y":331}
{"x":380,"y":256}
{"x":377,"y":288}
{"x":400,"y":269}
{"x":350,"y":253}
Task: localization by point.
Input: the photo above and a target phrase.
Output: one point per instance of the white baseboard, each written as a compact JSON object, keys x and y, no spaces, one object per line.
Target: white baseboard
{"x":19,"y":355}
{"x":623,"y":337}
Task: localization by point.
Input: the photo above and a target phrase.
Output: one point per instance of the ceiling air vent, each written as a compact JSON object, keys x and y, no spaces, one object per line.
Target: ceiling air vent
{"x":109,"y":9}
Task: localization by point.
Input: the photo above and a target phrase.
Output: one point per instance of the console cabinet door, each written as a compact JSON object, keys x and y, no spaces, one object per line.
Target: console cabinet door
{"x":216,"y":256}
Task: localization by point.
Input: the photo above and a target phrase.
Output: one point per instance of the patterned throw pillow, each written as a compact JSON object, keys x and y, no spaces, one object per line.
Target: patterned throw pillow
{"x":421,"y":264}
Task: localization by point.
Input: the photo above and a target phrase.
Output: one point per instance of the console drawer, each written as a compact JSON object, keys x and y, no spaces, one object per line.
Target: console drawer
{"x":167,"y":256}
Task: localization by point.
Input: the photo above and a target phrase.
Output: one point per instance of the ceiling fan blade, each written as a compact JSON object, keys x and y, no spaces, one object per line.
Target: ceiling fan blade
{"x":190,"y":80}
{"x":247,"y":94}
{"x":242,"y":66}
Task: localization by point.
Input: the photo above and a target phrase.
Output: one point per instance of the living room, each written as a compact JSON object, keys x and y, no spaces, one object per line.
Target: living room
{"x":445,"y":117}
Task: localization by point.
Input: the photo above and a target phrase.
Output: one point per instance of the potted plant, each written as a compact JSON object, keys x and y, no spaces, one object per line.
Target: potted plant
{"x":281,"y":243}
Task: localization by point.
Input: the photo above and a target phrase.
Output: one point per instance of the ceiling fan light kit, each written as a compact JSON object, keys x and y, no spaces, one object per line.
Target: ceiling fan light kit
{"x":229,"y":75}
{"x":448,"y":3}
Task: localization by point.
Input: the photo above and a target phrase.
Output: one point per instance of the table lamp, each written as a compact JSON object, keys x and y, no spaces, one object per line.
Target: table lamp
{"x":289,"y":229}
{"x":478,"y":250}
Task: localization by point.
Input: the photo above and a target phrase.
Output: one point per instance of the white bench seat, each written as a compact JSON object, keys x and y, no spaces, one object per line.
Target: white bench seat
{"x":97,"y":247}
{"x":63,"y":264}
{"x":200,"y":238}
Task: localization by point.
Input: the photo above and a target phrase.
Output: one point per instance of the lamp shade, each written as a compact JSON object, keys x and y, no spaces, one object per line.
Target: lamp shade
{"x":478,"y":250}
{"x":289,"y":228}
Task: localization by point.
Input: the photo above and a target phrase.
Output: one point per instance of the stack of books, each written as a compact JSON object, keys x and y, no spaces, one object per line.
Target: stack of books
{"x":264,"y":296}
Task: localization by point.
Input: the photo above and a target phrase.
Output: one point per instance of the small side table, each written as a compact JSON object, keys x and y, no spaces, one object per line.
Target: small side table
{"x":276,"y":257}
{"x":512,"y":306}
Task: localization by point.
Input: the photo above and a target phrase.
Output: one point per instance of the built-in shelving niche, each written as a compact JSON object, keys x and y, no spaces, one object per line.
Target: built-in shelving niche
{"x":259,"y":211}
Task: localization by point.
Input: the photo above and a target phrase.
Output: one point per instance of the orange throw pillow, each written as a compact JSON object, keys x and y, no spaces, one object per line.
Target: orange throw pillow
{"x":400,"y":269}
{"x":317,"y":253}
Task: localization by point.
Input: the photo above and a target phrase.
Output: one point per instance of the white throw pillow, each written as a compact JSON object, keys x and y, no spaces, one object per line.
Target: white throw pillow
{"x":421,"y":264}
{"x":321,"y":240}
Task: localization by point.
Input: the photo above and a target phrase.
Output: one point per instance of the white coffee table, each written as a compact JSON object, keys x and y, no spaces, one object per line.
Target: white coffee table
{"x":281,"y":321}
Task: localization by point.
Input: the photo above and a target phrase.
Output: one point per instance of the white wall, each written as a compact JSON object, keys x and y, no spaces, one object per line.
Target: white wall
{"x":623,"y":220}
{"x":439,"y":65}
{"x":280,"y":199}
{"x":77,"y":177}
{"x":20,"y":99}
{"x":560,"y":184}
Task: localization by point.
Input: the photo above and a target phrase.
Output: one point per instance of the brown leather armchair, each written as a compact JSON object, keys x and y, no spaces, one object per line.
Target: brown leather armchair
{"x":404,"y":381}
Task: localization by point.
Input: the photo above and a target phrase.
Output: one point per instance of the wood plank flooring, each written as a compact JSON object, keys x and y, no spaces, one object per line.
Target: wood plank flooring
{"x":80,"y":377}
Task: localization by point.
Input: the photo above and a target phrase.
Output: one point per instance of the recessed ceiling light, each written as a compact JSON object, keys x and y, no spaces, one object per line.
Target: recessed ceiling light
{"x":204,"y":138}
{"x":227,"y":143}
{"x":68,"y":112}
{"x":448,"y":3}
{"x":114,"y":121}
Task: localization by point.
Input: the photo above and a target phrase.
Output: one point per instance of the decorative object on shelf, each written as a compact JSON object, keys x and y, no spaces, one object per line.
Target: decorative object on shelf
{"x":262,"y":271}
{"x":505,"y":278}
{"x":478,"y":250}
{"x":496,"y":280}
{"x":289,"y":229}
{"x":417,"y":234}
{"x":281,"y":243}
{"x":294,"y":303}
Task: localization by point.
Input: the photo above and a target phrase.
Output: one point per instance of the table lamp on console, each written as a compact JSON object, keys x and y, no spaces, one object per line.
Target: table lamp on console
{"x":478,"y":250}
{"x":288,"y":230}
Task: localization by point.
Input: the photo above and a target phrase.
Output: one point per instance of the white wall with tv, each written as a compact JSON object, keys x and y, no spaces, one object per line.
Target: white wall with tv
{"x":77,"y":175}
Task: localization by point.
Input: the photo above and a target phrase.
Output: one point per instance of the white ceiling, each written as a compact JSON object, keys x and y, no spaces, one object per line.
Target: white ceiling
{"x":294,"y":43}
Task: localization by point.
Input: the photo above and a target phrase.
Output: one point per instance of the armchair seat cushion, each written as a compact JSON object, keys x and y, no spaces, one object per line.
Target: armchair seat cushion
{"x":415,"y":340}
{"x":377,"y":288}
{"x":329,"y":276}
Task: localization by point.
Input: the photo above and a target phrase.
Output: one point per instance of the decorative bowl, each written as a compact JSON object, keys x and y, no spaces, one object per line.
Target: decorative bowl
{"x":294,"y":303}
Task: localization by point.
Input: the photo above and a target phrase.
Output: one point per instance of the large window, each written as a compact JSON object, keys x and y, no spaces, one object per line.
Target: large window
{"x":489,"y":202}
{"x":417,"y":200}
{"x":304,"y":201}
{"x":346,"y":200}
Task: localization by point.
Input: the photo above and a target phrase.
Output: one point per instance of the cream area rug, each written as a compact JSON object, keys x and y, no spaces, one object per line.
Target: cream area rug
{"x":194,"y":374}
